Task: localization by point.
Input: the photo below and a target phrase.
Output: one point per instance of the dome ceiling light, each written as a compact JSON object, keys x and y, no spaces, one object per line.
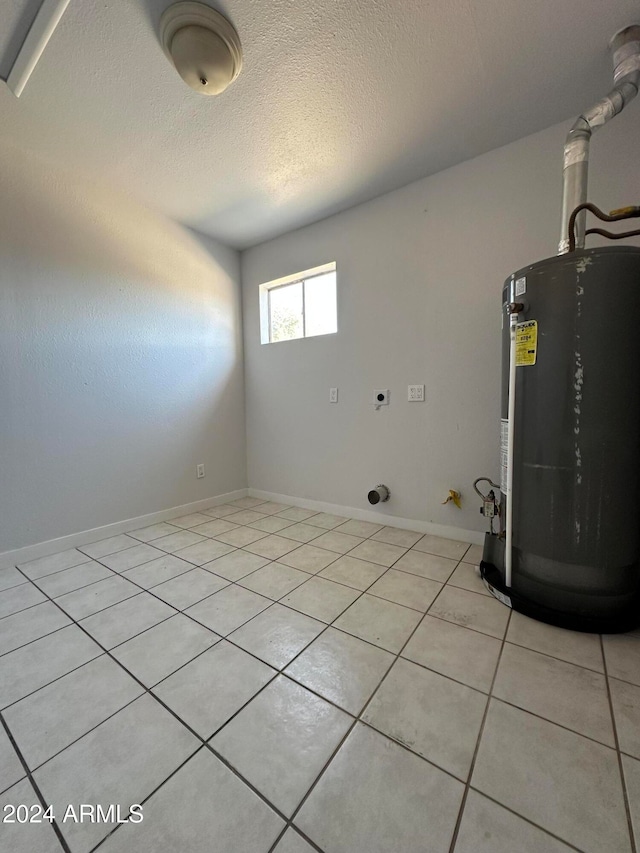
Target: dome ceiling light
{"x":203,"y":46}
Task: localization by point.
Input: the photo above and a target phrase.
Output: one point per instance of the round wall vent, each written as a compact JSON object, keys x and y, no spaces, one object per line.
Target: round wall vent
{"x":203,"y":46}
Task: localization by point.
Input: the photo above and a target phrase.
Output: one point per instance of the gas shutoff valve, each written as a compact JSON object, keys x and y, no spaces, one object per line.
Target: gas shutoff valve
{"x":489,"y":507}
{"x":490,"y":504}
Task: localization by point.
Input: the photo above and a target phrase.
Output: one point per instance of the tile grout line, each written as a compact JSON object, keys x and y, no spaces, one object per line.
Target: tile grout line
{"x":95,"y":612}
{"x":14,"y":585}
{"x":105,"y":650}
{"x":463,"y":802}
{"x":53,"y":680}
{"x":528,"y":820}
{"x":35,"y":640}
{"x":553,"y":722}
{"x":137,"y":679}
{"x":362,"y":592}
{"x":281,"y":672}
{"x":508,"y":702}
{"x":138,"y":542}
{"x":530,"y":648}
{"x":122,"y":575}
{"x":358,"y":718}
{"x":397,"y":655}
{"x":122,"y":572}
{"x":206,"y":745}
{"x":173,"y":773}
{"x":177,"y":717}
{"x":538,"y":716}
{"x":177,"y":612}
{"x":20,"y":567}
{"x":277,"y":672}
{"x":22,"y":609}
{"x":279,"y":601}
{"x":625,"y":793}
{"x":555,"y":657}
{"x":274,"y":600}
{"x":289,"y":825}
{"x":298,"y":545}
{"x":34,"y":785}
{"x":83,"y":586}
{"x":142,"y":589}
{"x":623,"y":681}
{"x":148,"y":691}
{"x":88,"y":731}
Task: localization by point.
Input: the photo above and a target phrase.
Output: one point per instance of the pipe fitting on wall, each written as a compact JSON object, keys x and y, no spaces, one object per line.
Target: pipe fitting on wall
{"x":379,"y":495}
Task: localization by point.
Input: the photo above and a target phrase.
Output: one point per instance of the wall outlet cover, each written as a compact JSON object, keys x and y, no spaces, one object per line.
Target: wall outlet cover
{"x":200,"y":471}
{"x":333,"y":395}
{"x":415,"y":393}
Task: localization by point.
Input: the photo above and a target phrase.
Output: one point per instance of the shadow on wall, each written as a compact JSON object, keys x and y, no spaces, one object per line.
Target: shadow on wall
{"x":99,"y":229}
{"x":120,"y":358}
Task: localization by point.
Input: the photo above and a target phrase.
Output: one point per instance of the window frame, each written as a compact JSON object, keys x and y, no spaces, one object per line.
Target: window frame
{"x":302,"y":277}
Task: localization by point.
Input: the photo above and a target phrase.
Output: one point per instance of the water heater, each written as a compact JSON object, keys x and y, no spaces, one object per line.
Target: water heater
{"x":575,"y":495}
{"x":567,"y":545}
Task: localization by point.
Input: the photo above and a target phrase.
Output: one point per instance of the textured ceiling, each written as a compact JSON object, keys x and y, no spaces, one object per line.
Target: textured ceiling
{"x":338,"y":100}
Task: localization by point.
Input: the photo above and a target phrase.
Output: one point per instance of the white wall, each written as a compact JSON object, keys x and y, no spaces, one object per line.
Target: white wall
{"x":420,"y":273}
{"x":120,"y":358}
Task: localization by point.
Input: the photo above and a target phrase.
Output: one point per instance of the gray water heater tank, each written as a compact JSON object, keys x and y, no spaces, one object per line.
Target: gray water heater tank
{"x":576,"y":486}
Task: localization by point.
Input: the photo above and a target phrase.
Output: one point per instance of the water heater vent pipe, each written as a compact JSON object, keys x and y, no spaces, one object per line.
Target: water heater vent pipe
{"x":625,"y":46}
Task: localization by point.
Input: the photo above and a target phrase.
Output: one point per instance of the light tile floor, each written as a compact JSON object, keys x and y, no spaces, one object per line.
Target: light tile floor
{"x":265,"y":678}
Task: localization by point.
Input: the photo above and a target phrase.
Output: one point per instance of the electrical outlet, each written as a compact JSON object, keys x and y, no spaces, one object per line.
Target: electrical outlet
{"x":333,"y":395}
{"x":381,"y":397}
{"x":415,"y":393}
{"x":200,"y":471}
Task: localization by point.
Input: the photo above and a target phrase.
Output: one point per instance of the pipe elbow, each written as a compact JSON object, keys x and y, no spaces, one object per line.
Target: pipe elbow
{"x":580,"y":129}
{"x":628,"y":87}
{"x":625,"y":46}
{"x":623,"y":93}
{"x":604,"y":110}
{"x":576,"y":146}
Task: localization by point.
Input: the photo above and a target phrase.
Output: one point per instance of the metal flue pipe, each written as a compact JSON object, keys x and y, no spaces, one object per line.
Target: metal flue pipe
{"x":625,"y":46}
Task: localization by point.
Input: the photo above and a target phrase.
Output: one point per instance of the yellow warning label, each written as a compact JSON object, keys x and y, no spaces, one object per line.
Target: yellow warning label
{"x":526,"y":343}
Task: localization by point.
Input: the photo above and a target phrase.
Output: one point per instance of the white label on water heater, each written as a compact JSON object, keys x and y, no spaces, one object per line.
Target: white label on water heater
{"x":497,"y":594}
{"x":504,"y":454}
{"x":521,"y":286}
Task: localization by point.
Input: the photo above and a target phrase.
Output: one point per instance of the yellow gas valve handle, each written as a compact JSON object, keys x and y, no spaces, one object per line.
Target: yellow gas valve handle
{"x":454,"y":496}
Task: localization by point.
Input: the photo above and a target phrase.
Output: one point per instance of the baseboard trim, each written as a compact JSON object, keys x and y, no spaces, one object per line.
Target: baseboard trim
{"x":476,"y":537}
{"x":52,"y":546}
{"x":72,"y":540}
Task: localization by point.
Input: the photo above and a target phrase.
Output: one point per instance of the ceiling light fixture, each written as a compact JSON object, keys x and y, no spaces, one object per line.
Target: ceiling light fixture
{"x":203,"y":46}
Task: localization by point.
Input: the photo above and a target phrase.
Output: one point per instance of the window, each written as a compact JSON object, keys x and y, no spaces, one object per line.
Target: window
{"x":299,"y":306}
